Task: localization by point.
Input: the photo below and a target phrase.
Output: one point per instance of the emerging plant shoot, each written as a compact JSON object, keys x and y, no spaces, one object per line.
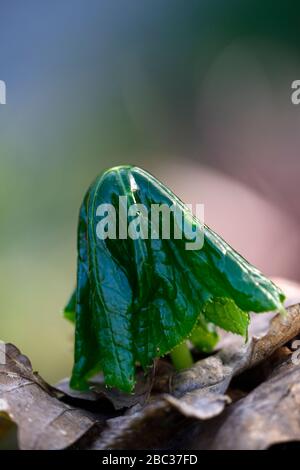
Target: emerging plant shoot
{"x":141,"y":294}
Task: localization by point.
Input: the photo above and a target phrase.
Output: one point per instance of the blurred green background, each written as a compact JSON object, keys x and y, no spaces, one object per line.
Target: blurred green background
{"x":165,"y":84}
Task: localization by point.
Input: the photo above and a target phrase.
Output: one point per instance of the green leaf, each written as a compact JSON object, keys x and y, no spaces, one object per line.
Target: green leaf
{"x":224,"y":313}
{"x":137,"y":299}
{"x":204,"y":336}
{"x":69,"y":310}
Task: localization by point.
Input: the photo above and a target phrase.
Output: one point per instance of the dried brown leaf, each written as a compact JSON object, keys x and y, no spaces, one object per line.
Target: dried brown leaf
{"x":269,"y":415}
{"x":214,"y":373}
{"x":199,"y":405}
{"x":43,"y":421}
{"x":154,"y":424}
{"x":119,"y":399}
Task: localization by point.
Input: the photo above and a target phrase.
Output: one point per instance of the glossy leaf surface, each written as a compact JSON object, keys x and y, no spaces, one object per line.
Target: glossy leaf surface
{"x":136,"y":299}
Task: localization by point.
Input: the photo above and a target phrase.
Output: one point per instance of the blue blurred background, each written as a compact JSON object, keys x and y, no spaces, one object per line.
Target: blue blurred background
{"x":197,"y":92}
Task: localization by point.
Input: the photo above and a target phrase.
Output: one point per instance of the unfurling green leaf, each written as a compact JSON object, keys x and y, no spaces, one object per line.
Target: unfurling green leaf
{"x":137,"y":298}
{"x":224,"y":313}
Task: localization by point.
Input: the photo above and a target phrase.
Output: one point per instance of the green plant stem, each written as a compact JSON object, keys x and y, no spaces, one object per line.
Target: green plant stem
{"x":181,"y":356}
